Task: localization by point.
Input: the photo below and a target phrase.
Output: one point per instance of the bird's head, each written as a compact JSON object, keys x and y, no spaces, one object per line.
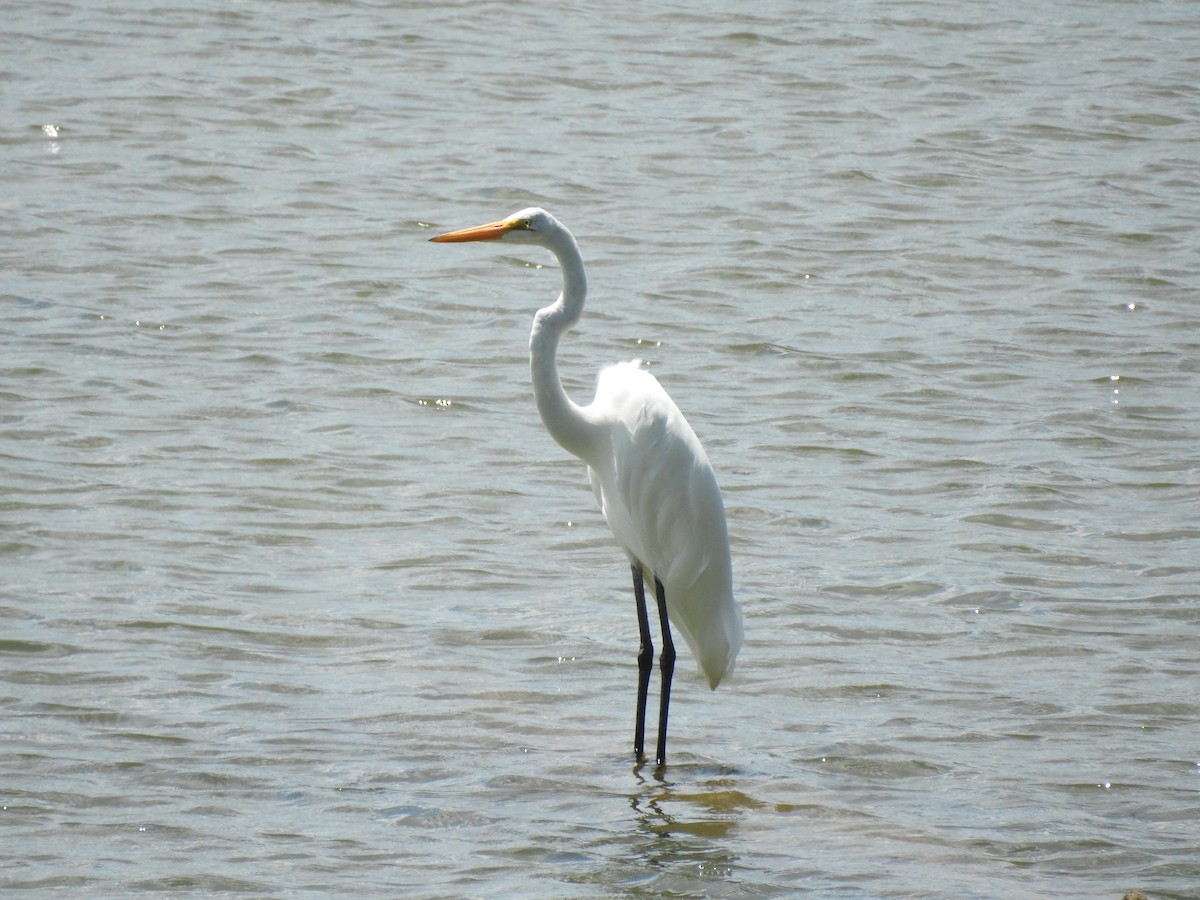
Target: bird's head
{"x":529,"y":226}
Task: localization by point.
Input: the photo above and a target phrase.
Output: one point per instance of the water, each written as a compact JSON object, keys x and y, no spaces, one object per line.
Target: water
{"x":299,"y":599}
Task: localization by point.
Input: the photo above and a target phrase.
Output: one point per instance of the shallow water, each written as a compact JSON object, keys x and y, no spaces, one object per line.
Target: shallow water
{"x":298,"y":597}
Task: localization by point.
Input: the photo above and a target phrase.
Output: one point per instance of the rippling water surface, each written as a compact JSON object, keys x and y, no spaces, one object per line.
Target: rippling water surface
{"x":298,"y":598}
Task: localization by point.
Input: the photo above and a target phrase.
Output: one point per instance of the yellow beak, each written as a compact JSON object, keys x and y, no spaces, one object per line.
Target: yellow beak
{"x":492,"y":231}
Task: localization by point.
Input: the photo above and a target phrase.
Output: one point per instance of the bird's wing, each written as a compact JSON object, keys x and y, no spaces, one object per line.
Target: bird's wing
{"x":660,"y":497}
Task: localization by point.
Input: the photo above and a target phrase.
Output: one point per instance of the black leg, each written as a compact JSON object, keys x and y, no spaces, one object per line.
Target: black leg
{"x":666,"y":663}
{"x":645,"y":662}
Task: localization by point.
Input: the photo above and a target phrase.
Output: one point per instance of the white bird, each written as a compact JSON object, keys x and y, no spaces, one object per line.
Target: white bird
{"x":653,"y":481}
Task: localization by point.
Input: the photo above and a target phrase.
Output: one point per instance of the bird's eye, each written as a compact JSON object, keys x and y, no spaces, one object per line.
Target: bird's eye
{"x":527,"y":224}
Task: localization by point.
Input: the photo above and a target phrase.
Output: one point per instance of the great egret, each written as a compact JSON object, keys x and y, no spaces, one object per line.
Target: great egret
{"x":649,"y":473}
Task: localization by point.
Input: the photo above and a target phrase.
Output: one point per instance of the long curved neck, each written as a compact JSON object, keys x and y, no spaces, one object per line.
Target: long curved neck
{"x":564,"y":420}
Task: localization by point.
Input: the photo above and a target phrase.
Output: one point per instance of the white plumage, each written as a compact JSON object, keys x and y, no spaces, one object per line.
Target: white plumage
{"x":659,"y":496}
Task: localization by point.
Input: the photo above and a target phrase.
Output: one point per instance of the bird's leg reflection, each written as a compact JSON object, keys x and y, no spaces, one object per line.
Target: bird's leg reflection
{"x":666,"y":663}
{"x":645,"y":664}
{"x":651,"y":816}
